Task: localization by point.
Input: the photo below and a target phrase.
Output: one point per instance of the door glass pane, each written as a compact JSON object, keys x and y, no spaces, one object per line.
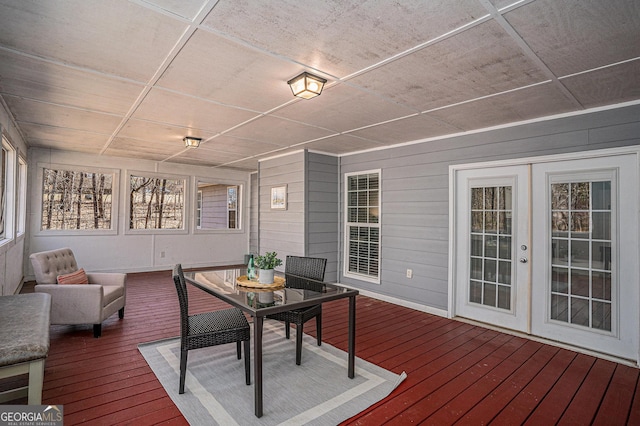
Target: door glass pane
{"x":490,"y":222}
{"x":559,"y":307}
{"x":601,"y":314}
{"x":580,"y":196}
{"x":476,"y":268}
{"x":476,"y":198}
{"x":490,"y":240}
{"x":581,"y":241}
{"x":601,"y":195}
{"x":491,"y":199}
{"x":504,"y":272}
{"x":560,"y":197}
{"x":580,"y":282}
{"x":560,"y":223}
{"x":504,"y":247}
{"x":504,"y":297}
{"x":476,"y":245}
{"x":476,"y":221}
{"x":580,"y":224}
{"x":579,"y":253}
{"x":579,"y":311}
{"x":602,"y":225}
{"x":560,"y":280}
{"x":559,"y":251}
{"x":490,"y":246}
{"x":475,"y":292}
{"x":489,"y":297}
{"x":602,"y":285}
{"x":490,"y":269}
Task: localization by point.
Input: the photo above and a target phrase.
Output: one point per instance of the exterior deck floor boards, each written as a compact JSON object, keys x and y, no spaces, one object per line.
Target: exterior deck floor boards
{"x":458,"y":373}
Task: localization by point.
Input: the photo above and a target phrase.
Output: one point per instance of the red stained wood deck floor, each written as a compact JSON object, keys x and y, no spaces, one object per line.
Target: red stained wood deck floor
{"x":457,"y":373}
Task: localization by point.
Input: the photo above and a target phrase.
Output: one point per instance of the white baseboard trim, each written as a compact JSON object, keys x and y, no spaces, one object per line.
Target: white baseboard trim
{"x":401,"y":302}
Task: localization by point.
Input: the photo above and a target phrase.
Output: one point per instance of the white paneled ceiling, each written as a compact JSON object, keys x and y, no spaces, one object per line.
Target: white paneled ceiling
{"x":133,"y":77}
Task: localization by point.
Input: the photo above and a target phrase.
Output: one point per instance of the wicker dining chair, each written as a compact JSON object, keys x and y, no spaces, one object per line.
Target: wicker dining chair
{"x":209,"y":329}
{"x":306,"y":267}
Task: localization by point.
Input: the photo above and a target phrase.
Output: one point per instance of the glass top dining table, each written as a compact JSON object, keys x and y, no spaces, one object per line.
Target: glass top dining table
{"x":231,"y":286}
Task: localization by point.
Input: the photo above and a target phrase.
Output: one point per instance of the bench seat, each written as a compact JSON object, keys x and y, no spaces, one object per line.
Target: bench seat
{"x":24,"y":342}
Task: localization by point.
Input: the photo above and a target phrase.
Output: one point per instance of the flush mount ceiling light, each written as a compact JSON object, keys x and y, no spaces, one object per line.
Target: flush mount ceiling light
{"x":306,"y":85}
{"x":191,"y":142}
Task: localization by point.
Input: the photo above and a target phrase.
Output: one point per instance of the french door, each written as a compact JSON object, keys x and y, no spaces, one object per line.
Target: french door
{"x":492,"y":224}
{"x":554,"y":253}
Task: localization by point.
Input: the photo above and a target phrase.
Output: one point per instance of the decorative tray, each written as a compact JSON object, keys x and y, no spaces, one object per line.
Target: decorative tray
{"x":278,"y":282}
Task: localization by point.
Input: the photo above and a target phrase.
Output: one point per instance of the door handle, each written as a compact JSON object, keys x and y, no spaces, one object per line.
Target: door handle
{"x":523,"y":260}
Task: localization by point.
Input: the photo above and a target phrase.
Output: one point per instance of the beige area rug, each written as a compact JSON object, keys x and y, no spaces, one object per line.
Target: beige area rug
{"x":318,"y":392}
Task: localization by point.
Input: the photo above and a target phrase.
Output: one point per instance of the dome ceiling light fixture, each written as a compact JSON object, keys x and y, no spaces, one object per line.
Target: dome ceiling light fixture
{"x":191,"y":142}
{"x":306,"y":85}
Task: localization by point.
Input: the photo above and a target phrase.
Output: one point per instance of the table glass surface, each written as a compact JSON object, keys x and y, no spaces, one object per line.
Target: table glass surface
{"x":297,"y":291}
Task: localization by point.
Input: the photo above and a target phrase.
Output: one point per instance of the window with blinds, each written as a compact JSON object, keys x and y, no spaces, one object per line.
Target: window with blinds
{"x":362,"y":233}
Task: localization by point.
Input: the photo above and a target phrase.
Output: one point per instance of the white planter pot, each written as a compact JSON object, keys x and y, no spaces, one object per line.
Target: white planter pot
{"x":266,"y":276}
{"x":265,"y":297}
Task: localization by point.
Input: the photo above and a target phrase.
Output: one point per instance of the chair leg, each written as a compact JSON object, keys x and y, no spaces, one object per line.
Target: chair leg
{"x":247,"y":361}
{"x":299,"y":328}
{"x":319,"y":328}
{"x":183,"y":369}
{"x":287,"y":329}
{"x":239,"y":349}
{"x":97,"y":330}
{"x":121,"y":313}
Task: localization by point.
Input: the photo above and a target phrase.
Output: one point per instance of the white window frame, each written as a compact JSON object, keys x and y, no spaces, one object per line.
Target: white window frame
{"x":185,"y":203}
{"x":115,"y":200}
{"x":240,"y":203}
{"x":237,"y":188}
{"x":199,"y":209}
{"x":347,"y":224}
{"x":9,"y":196}
{"x":22,"y":197}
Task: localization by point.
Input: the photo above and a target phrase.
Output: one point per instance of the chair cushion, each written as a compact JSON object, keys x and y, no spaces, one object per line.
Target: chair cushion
{"x":77,"y":277}
{"x":112,"y":293}
{"x":24,"y":335}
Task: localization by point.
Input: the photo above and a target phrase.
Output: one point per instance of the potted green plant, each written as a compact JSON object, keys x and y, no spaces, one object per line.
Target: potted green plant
{"x":265,"y":264}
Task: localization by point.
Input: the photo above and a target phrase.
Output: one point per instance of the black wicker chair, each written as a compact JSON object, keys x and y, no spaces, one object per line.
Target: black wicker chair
{"x":209,"y":329}
{"x":307,"y":267}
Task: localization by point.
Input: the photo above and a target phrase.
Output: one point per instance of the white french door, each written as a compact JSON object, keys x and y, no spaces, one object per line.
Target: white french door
{"x":551,"y":249}
{"x":492,"y":242}
{"x":585,"y":277}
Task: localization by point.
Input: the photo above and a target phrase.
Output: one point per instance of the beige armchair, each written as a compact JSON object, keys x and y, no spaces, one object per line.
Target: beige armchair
{"x":78,"y":303}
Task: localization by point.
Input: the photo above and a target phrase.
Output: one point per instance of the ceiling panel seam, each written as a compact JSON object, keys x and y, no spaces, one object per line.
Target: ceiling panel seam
{"x":175,"y":50}
{"x":526,"y":49}
{"x":603,"y":67}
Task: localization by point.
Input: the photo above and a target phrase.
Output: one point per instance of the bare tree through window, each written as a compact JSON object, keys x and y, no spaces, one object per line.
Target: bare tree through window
{"x":156,"y":203}
{"x":70,"y":200}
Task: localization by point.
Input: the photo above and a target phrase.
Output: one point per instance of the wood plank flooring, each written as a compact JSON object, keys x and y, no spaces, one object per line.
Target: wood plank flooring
{"x":458,"y":373}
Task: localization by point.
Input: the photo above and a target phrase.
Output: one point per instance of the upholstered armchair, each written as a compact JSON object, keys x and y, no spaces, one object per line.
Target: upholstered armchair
{"x":91,"y":303}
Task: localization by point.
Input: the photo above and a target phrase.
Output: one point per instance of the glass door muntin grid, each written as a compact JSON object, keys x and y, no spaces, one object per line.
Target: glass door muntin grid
{"x":582,"y":238}
{"x":490,"y":265}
